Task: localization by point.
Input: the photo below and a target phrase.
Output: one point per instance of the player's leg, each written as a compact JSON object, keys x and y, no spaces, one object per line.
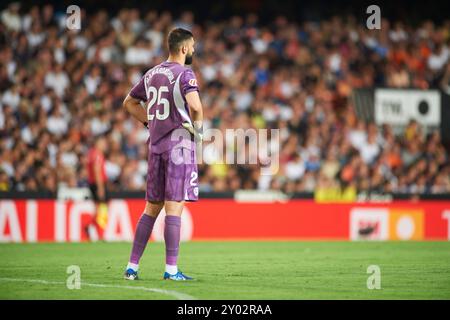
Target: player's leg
{"x":155,"y":203}
{"x":92,"y":229}
{"x":144,"y":229}
{"x":172,"y":229}
{"x":179,"y":173}
{"x":101,"y":214}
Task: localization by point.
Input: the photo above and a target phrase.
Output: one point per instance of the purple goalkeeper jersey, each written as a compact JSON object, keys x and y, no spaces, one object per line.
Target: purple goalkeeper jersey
{"x":163,"y":89}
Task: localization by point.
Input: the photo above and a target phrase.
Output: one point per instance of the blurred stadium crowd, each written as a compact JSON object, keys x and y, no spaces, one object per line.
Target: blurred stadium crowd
{"x":60,"y":88}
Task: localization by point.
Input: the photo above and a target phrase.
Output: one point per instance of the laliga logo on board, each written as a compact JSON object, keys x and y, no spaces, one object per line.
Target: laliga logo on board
{"x":22,"y":221}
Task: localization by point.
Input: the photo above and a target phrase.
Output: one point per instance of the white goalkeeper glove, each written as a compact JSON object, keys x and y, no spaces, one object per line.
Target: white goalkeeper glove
{"x":196,"y":132}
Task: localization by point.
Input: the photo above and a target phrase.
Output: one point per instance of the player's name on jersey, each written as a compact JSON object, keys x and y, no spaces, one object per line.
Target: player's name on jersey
{"x":162,"y":70}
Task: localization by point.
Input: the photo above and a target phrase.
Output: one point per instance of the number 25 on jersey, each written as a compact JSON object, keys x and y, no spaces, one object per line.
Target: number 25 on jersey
{"x":155,"y":96}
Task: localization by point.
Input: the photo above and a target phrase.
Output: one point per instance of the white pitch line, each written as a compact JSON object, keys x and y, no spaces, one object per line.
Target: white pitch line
{"x":176,"y":294}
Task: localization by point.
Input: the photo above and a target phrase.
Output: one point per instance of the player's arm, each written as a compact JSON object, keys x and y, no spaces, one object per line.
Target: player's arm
{"x":134,"y":107}
{"x":195,"y":109}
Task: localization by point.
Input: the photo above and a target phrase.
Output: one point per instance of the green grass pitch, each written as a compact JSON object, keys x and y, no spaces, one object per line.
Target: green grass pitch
{"x":230,"y":270}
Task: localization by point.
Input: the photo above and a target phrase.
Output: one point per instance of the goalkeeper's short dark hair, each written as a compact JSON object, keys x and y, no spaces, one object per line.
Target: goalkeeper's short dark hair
{"x":177,"y":37}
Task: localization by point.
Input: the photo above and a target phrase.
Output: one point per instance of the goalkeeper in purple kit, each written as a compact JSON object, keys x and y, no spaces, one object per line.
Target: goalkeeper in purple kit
{"x":171,"y":96}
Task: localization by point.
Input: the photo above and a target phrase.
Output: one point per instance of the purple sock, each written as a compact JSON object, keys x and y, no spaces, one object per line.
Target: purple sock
{"x":143,"y":230}
{"x":172,"y":238}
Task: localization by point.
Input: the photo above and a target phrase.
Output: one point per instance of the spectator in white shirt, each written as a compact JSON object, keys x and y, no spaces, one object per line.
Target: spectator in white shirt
{"x":57,"y":80}
{"x":56,"y":123}
{"x":10,"y":16}
{"x":12,"y":97}
{"x":370,"y":150}
{"x":139,"y":54}
{"x":295,"y":168}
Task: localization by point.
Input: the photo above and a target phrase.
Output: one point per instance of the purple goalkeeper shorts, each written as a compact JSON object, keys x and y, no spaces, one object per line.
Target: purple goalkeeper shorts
{"x":172,"y":175}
